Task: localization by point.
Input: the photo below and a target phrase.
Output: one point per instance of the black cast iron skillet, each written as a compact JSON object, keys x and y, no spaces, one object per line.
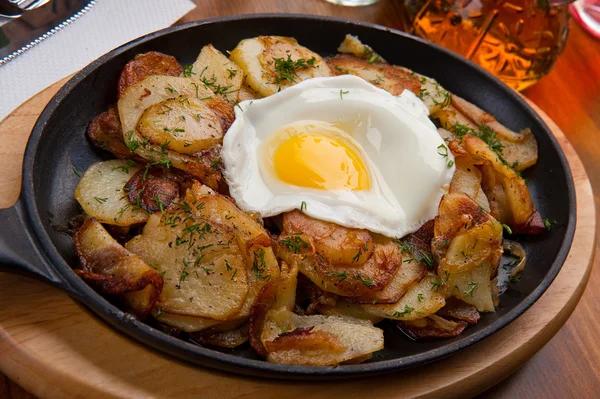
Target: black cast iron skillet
{"x":30,"y":244}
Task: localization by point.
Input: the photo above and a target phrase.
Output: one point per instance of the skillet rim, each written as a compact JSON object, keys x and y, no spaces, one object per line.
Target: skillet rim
{"x":199,"y":355}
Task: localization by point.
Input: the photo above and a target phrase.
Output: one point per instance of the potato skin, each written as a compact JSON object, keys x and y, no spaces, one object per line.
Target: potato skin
{"x":148,"y":186}
{"x":343,"y":261}
{"x":435,"y":328}
{"x":105,"y":132}
{"x":146,"y":64}
{"x":385,"y":76}
{"x":155,"y":89}
{"x":110,"y":268}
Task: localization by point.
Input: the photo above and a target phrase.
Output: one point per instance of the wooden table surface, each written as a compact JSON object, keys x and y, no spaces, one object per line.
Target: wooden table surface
{"x":569,"y":365}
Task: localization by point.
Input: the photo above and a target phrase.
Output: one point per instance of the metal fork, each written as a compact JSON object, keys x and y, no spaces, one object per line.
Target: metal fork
{"x":16,"y":8}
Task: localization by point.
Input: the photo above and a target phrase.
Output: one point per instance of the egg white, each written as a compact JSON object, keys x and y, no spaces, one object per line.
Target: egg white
{"x":398,"y":143}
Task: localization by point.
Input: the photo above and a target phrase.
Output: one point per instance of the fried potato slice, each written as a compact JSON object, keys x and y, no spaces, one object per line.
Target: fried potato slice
{"x":339,"y":245}
{"x":388,"y":77}
{"x":155,"y":189}
{"x":183,"y":125}
{"x":432,"y":327}
{"x":159,"y":92}
{"x":318,"y":340}
{"x":459,"y":310}
{"x":422,"y":299}
{"x":467,"y":177}
{"x":272,"y":63}
{"x":105,"y":132}
{"x":207,"y":204}
{"x":204,"y":269}
{"x":465,"y":235}
{"x":433,"y":95}
{"x":340,"y":260}
{"x":474,"y":286}
{"x":451,"y":119}
{"x":109,"y":267}
{"x":416,"y":259}
{"x":518,"y":210}
{"x":216,"y":71}
{"x":147,"y":64}
{"x":406,"y":275}
{"x":519,"y":150}
{"x":353,"y":45}
{"x":252,"y":237}
{"x":100,"y":193}
{"x":278,"y":294}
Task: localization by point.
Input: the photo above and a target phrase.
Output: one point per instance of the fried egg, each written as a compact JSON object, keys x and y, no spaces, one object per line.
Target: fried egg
{"x":340,"y":150}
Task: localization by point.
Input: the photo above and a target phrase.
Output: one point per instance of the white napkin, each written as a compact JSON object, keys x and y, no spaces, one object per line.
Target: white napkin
{"x":105,"y":26}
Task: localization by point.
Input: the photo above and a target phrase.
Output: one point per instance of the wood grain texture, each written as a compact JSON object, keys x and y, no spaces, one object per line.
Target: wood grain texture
{"x":568,"y":366}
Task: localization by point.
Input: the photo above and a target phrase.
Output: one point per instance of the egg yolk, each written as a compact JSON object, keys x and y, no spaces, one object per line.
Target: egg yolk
{"x":320,"y":161}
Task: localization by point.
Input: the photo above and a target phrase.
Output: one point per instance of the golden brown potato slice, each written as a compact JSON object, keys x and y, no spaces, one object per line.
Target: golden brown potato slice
{"x":450,"y":118}
{"x":391,"y":78}
{"x":339,"y":245}
{"x":318,"y":340}
{"x":106,"y":265}
{"x":100,"y":193}
{"x":353,"y":45}
{"x":340,"y":260}
{"x":204,"y":270}
{"x":206,"y":204}
{"x":216,"y":71}
{"x":469,"y":248}
{"x":183,"y":125}
{"x":253,"y":238}
{"x":272,"y":63}
{"x":407,"y":274}
{"x":467,"y":176}
{"x":147,"y":64}
{"x":518,"y":211}
{"x":474,"y":286}
{"x":278,"y":294}
{"x":422,"y":299}
{"x":518,"y":150}
{"x":433,"y":95}
{"x":465,"y":235}
{"x":416,"y":259}
{"x":196,"y":105}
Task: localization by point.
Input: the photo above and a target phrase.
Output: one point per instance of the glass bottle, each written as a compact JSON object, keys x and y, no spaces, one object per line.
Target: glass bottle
{"x":516,"y":40}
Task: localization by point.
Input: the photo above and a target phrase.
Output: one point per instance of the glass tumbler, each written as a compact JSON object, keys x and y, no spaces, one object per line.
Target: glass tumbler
{"x":517,"y":40}
{"x":353,"y":3}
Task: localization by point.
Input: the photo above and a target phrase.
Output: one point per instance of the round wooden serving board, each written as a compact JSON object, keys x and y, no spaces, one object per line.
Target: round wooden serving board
{"x":54,"y":347}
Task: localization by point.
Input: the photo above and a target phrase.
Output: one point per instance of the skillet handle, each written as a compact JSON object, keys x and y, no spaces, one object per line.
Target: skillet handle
{"x":18,"y":254}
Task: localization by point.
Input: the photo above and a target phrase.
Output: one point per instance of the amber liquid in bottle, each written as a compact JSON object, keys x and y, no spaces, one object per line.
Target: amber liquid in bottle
{"x":517,"y":40}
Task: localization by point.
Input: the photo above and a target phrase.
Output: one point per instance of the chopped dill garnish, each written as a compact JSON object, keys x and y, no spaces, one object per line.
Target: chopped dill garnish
{"x":286,"y":70}
{"x":294,"y":243}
